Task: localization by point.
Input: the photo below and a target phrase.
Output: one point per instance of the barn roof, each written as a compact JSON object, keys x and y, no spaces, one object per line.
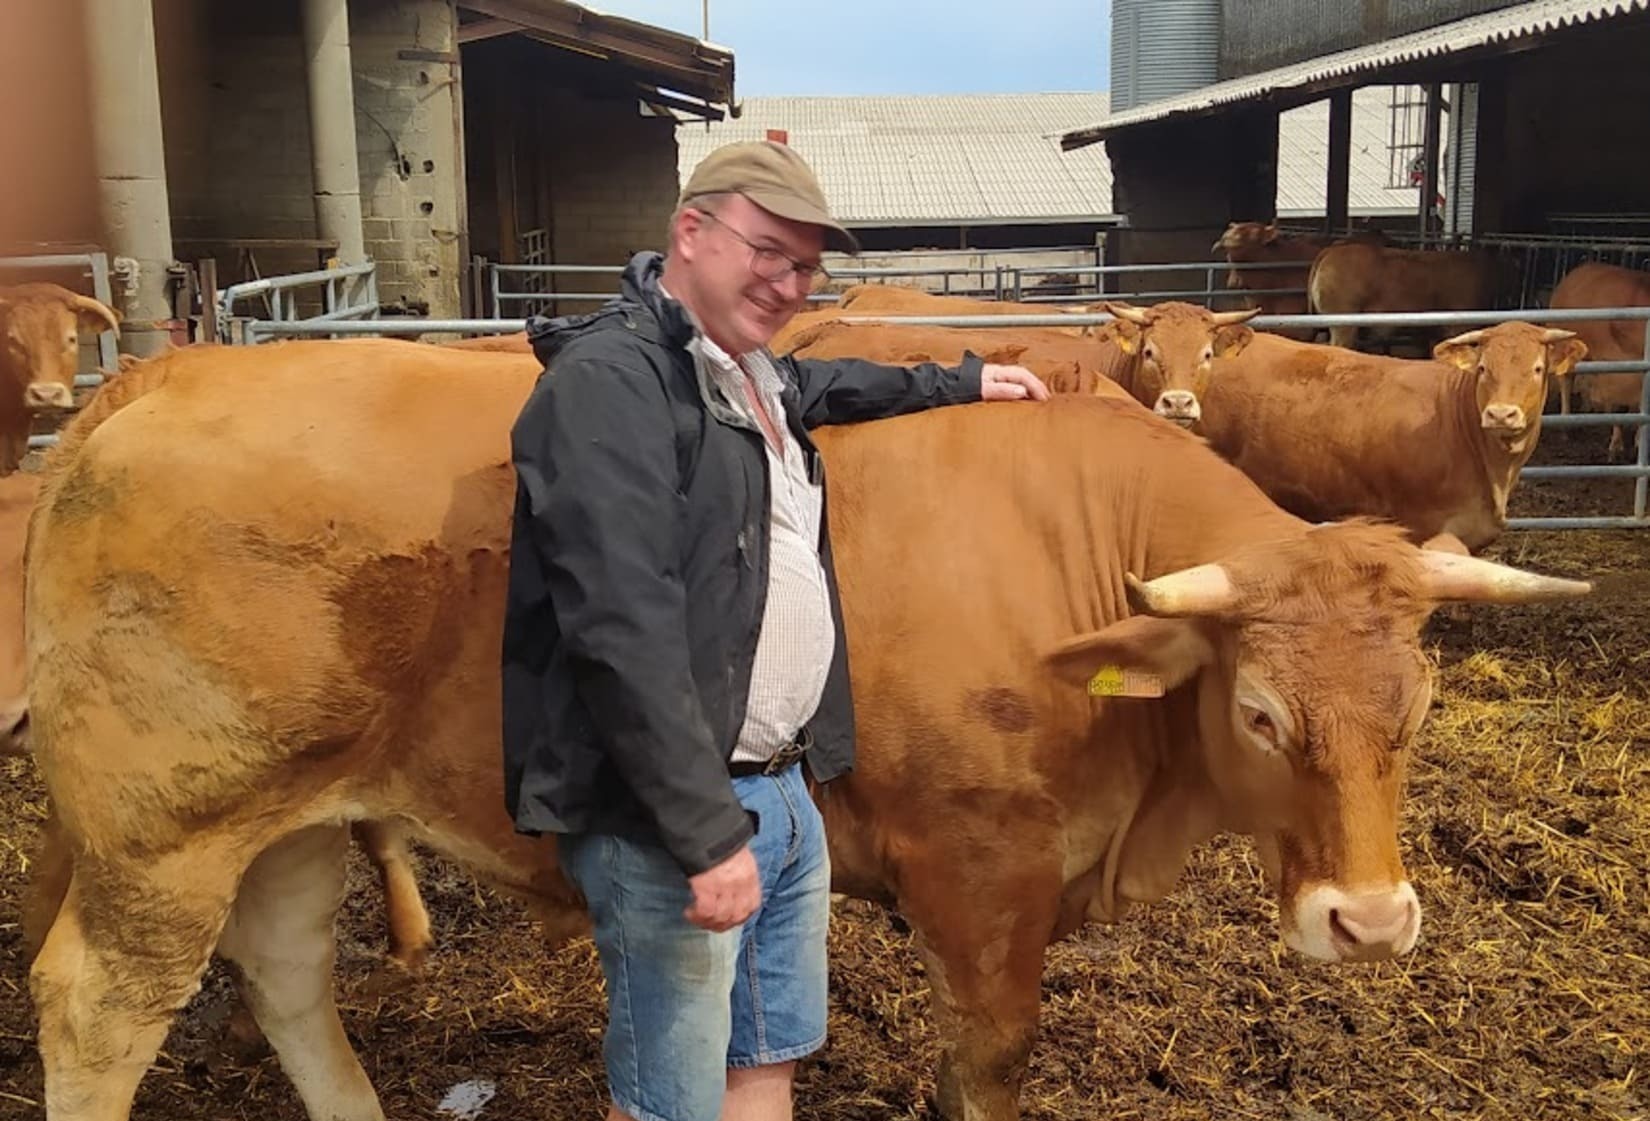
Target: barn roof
{"x":995,"y":159}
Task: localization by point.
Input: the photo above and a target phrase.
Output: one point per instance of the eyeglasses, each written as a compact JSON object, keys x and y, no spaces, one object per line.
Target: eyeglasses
{"x":769,"y":263}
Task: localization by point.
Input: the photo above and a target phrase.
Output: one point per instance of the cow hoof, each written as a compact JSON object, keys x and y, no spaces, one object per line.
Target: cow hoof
{"x":392,"y":976}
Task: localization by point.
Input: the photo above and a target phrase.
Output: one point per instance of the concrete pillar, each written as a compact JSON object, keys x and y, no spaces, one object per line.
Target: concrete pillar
{"x":332,"y":127}
{"x":130,"y":159}
{"x":1336,"y":209}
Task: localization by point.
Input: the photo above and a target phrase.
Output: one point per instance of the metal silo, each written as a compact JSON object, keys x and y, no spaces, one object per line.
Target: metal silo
{"x":1160,"y":48}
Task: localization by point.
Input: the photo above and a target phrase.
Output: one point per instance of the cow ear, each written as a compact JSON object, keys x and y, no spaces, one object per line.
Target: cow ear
{"x":1563,"y":355}
{"x":1121,"y":333}
{"x":1230,"y":340}
{"x":1463,"y":356}
{"x":1005,"y":355}
{"x":1142,"y":656}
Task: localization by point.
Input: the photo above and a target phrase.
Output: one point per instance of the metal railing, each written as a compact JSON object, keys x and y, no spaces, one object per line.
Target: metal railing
{"x":498,"y":295}
{"x":1639,"y":471}
{"x":346,"y":293}
{"x":108,"y":354}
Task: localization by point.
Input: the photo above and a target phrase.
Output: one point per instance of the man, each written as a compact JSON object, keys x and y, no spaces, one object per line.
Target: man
{"x":672,"y":645}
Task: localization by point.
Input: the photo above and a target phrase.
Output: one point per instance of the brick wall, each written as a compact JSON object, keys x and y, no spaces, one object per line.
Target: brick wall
{"x":236,"y":126}
{"x":577,"y":155}
{"x":236,"y":118}
{"x":615,"y":184}
{"x":407,"y":139}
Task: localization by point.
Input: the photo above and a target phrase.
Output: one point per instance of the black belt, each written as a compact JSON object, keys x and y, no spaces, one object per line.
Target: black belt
{"x":785,"y":757}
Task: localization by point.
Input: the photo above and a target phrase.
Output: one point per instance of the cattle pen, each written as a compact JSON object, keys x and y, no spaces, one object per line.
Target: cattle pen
{"x":1526,"y":835}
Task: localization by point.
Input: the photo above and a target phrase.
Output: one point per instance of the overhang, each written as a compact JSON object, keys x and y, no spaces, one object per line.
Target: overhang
{"x":1519,"y":27}
{"x":671,"y":69}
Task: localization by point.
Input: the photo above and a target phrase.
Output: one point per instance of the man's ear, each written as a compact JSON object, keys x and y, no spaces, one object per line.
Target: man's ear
{"x":1142,"y":656}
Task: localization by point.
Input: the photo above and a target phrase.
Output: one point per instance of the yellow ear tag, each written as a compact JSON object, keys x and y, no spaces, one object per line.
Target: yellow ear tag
{"x":1115,"y":681}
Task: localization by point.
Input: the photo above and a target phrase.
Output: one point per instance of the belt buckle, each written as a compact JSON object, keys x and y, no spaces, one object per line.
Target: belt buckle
{"x":788,"y":754}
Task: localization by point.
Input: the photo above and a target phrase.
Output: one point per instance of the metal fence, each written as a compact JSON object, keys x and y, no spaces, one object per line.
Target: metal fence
{"x":343,"y":294}
{"x":96,"y":266}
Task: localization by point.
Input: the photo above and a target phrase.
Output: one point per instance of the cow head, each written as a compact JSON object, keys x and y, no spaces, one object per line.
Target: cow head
{"x":1512,"y":363}
{"x":40,"y":340}
{"x":1310,"y":686}
{"x":1244,"y":238}
{"x":1173,"y":345}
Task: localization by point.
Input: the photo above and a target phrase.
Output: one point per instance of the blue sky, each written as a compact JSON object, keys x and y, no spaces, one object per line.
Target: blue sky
{"x":898,"y":46}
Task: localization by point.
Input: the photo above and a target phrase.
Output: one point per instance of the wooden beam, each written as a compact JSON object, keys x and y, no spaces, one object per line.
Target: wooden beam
{"x":1338,"y":187}
{"x":485,"y":29}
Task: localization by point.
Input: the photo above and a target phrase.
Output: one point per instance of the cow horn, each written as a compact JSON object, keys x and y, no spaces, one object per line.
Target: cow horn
{"x":85,"y":305}
{"x":1139,"y":316}
{"x":1472,"y":579}
{"x":1557,"y":335}
{"x":1471,"y":338}
{"x":1204,"y":590}
{"x":1228,"y":318}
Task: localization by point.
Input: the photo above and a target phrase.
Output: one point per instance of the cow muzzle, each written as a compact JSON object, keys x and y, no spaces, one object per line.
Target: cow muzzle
{"x":1506,"y":420}
{"x":1336,"y":925}
{"x":1180,"y":406}
{"x":42,"y":396}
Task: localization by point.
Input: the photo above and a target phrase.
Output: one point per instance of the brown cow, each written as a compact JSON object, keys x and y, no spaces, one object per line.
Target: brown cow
{"x":17,"y":492}
{"x":1065,"y":364}
{"x":290,"y":620}
{"x":1433,"y":445}
{"x":39,"y":354}
{"x":1264,"y":243}
{"x":866,"y":299}
{"x":1611,"y":340}
{"x":1160,"y":355}
{"x":1172,"y":347}
{"x":515,"y":343}
{"x":1361,"y":276}
{"x":408,"y":922}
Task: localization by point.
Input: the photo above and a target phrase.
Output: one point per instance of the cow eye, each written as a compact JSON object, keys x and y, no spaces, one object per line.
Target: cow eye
{"x":1150,"y":353}
{"x":1208,"y":354}
{"x":1259,"y":723}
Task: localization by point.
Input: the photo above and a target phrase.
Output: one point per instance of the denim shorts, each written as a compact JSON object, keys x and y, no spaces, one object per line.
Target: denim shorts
{"x":685,"y":1004}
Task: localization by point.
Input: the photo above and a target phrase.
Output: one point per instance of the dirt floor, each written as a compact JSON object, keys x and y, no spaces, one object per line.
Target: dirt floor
{"x":1528,"y":996}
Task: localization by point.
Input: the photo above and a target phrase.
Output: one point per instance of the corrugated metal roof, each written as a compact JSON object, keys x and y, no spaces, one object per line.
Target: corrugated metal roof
{"x":976,"y":160}
{"x":995,"y":158}
{"x":1342,"y":67}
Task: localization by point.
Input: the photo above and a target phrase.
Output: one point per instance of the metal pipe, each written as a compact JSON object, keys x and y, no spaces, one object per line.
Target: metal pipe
{"x":1586,"y":471}
{"x":1578,"y":523}
{"x":1641,"y":489}
{"x":392,"y":326}
{"x":1594,"y":420}
{"x":332,"y":126}
{"x":129,"y":155}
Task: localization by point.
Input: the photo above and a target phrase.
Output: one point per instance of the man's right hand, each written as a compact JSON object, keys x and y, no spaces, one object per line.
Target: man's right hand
{"x":727,"y":894}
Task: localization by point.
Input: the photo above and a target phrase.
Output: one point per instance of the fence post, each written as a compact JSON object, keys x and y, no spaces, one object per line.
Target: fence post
{"x":1642,"y":484}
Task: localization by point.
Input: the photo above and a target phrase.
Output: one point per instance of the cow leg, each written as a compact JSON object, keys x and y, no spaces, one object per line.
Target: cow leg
{"x":48,"y":885}
{"x":409,"y":923}
{"x":1344,"y":337}
{"x":280,"y":937}
{"x":126,"y":952}
{"x":983,"y":949}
